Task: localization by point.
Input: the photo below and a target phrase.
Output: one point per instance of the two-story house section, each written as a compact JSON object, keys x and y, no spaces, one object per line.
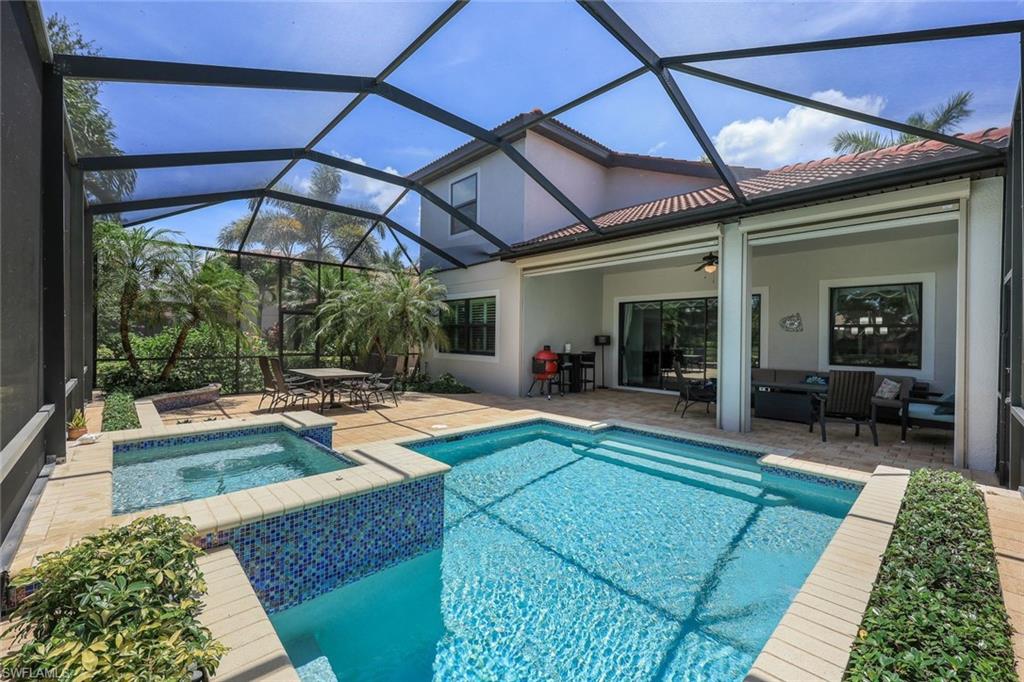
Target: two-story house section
{"x":489,"y":187}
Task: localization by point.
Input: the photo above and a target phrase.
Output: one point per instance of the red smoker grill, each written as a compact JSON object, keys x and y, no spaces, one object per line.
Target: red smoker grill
{"x":543,"y":367}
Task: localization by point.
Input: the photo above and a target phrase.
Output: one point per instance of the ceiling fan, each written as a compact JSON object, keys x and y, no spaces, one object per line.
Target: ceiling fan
{"x":708,"y":264}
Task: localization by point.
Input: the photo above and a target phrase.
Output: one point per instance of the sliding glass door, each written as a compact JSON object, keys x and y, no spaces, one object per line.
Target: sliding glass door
{"x":653,"y":335}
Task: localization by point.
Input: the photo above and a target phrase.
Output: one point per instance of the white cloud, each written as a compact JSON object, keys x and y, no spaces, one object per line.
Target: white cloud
{"x":801,"y":134}
{"x":658,"y":147}
{"x":377,"y":193}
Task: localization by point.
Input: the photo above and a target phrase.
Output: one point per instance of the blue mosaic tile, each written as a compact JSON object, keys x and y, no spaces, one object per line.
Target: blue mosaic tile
{"x":583,"y":429}
{"x":298,"y":556}
{"x":812,"y":478}
{"x":321,"y":434}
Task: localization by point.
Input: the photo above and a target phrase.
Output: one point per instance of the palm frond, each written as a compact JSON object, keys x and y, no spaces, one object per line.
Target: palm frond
{"x":856,"y":141}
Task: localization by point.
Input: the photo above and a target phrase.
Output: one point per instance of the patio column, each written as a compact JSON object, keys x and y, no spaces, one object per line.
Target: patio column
{"x":733,"y":329}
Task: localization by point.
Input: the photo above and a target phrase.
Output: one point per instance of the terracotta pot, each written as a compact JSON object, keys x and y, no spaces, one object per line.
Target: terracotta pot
{"x":75,"y":434}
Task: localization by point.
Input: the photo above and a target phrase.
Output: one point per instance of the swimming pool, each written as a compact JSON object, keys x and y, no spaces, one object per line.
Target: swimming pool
{"x":170,"y":470}
{"x":576,"y":555}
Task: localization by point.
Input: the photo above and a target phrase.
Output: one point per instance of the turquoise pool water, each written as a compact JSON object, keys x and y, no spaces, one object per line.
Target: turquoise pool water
{"x":165,"y":474}
{"x":573,"y":556}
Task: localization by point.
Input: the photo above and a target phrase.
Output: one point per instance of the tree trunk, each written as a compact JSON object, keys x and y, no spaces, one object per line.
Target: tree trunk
{"x":179,"y":345}
{"x":128,"y":297}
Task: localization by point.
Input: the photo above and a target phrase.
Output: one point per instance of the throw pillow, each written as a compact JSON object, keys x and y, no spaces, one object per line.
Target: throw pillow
{"x":815,"y":379}
{"x":888,"y":390}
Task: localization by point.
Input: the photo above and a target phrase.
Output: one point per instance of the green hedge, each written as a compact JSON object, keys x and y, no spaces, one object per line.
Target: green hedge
{"x":446,"y":383}
{"x":119,"y":412}
{"x":936,"y":611}
{"x":119,"y":605}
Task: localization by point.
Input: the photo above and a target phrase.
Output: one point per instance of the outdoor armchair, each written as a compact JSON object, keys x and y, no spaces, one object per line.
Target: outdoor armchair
{"x":848,"y":400}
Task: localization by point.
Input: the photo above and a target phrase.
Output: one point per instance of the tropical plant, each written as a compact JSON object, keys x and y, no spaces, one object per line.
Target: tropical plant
{"x":119,"y":605}
{"x":203,"y":289}
{"x":77,"y":420}
{"x":91,"y":125}
{"x":296,"y":230}
{"x":131,"y":261}
{"x":941,"y":119}
{"x":392,"y":310}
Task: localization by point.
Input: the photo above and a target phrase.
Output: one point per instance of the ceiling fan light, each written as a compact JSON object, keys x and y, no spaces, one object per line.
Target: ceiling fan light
{"x":710,"y":268}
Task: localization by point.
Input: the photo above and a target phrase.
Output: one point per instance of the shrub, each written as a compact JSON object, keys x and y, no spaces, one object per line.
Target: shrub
{"x":120,"y":605}
{"x":936,"y":611}
{"x":446,"y":383}
{"x":119,"y":412}
{"x":207,"y":358}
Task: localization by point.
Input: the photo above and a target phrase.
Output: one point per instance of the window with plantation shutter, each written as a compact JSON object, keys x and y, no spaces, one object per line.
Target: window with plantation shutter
{"x":470,"y":325}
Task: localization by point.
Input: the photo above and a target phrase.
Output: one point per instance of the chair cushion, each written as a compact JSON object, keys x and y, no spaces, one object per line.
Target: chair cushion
{"x":947,"y":403}
{"x":927,"y":412}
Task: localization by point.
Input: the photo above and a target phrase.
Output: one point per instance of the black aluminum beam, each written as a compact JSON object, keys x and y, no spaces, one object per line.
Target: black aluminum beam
{"x":252,"y":221}
{"x":582,"y":99}
{"x":401,"y":181}
{"x":103,"y":163}
{"x":404,"y":252}
{"x":404,"y":55}
{"x":164,"y":202}
{"x":629,"y":39}
{"x":931,"y":34}
{"x":373,"y":227}
{"x":179,"y":73}
{"x":169,"y":214}
{"x":137,"y":161}
{"x":549,"y":187}
{"x":837,"y":110}
{"x":366,"y":215}
{"x":52,"y":252}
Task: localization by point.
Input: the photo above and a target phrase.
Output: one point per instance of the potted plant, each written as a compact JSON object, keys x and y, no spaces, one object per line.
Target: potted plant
{"x":77,"y":426}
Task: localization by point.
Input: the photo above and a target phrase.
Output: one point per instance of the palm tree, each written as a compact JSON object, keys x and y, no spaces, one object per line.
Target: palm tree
{"x":131,"y":260}
{"x":941,"y":119}
{"x":392,"y":309}
{"x":205,"y":289}
{"x":325,"y":235}
{"x":415,"y":305}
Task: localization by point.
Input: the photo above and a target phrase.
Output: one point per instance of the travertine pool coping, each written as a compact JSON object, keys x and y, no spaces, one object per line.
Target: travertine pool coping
{"x":78,"y":499}
{"x":814,"y":637}
{"x":811,"y":642}
{"x":235,"y":617}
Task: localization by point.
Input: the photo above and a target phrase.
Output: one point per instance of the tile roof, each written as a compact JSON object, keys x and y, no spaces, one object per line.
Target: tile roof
{"x":787,"y":178}
{"x":574,"y":140}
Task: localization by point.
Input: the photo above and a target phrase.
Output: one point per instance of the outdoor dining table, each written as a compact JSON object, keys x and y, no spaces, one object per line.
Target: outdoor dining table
{"x":323,"y":375}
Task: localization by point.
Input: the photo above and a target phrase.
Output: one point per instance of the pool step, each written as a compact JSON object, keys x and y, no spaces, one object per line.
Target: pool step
{"x":696,"y":463}
{"x":714,"y":482}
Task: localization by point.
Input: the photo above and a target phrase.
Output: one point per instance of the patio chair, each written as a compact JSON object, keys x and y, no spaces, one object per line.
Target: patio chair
{"x":383,"y":386}
{"x":287,"y":393}
{"x":588,"y":369}
{"x":269,"y":387}
{"x":848,"y":399}
{"x":363,"y":390}
{"x":693,"y":391}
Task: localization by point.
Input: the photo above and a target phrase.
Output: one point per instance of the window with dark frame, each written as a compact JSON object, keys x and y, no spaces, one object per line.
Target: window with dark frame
{"x":463,"y":198}
{"x":876,"y":325}
{"x":470,"y":325}
{"x":685,"y":330}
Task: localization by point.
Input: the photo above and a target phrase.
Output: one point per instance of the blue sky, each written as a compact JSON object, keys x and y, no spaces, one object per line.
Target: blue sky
{"x":494,"y":60}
